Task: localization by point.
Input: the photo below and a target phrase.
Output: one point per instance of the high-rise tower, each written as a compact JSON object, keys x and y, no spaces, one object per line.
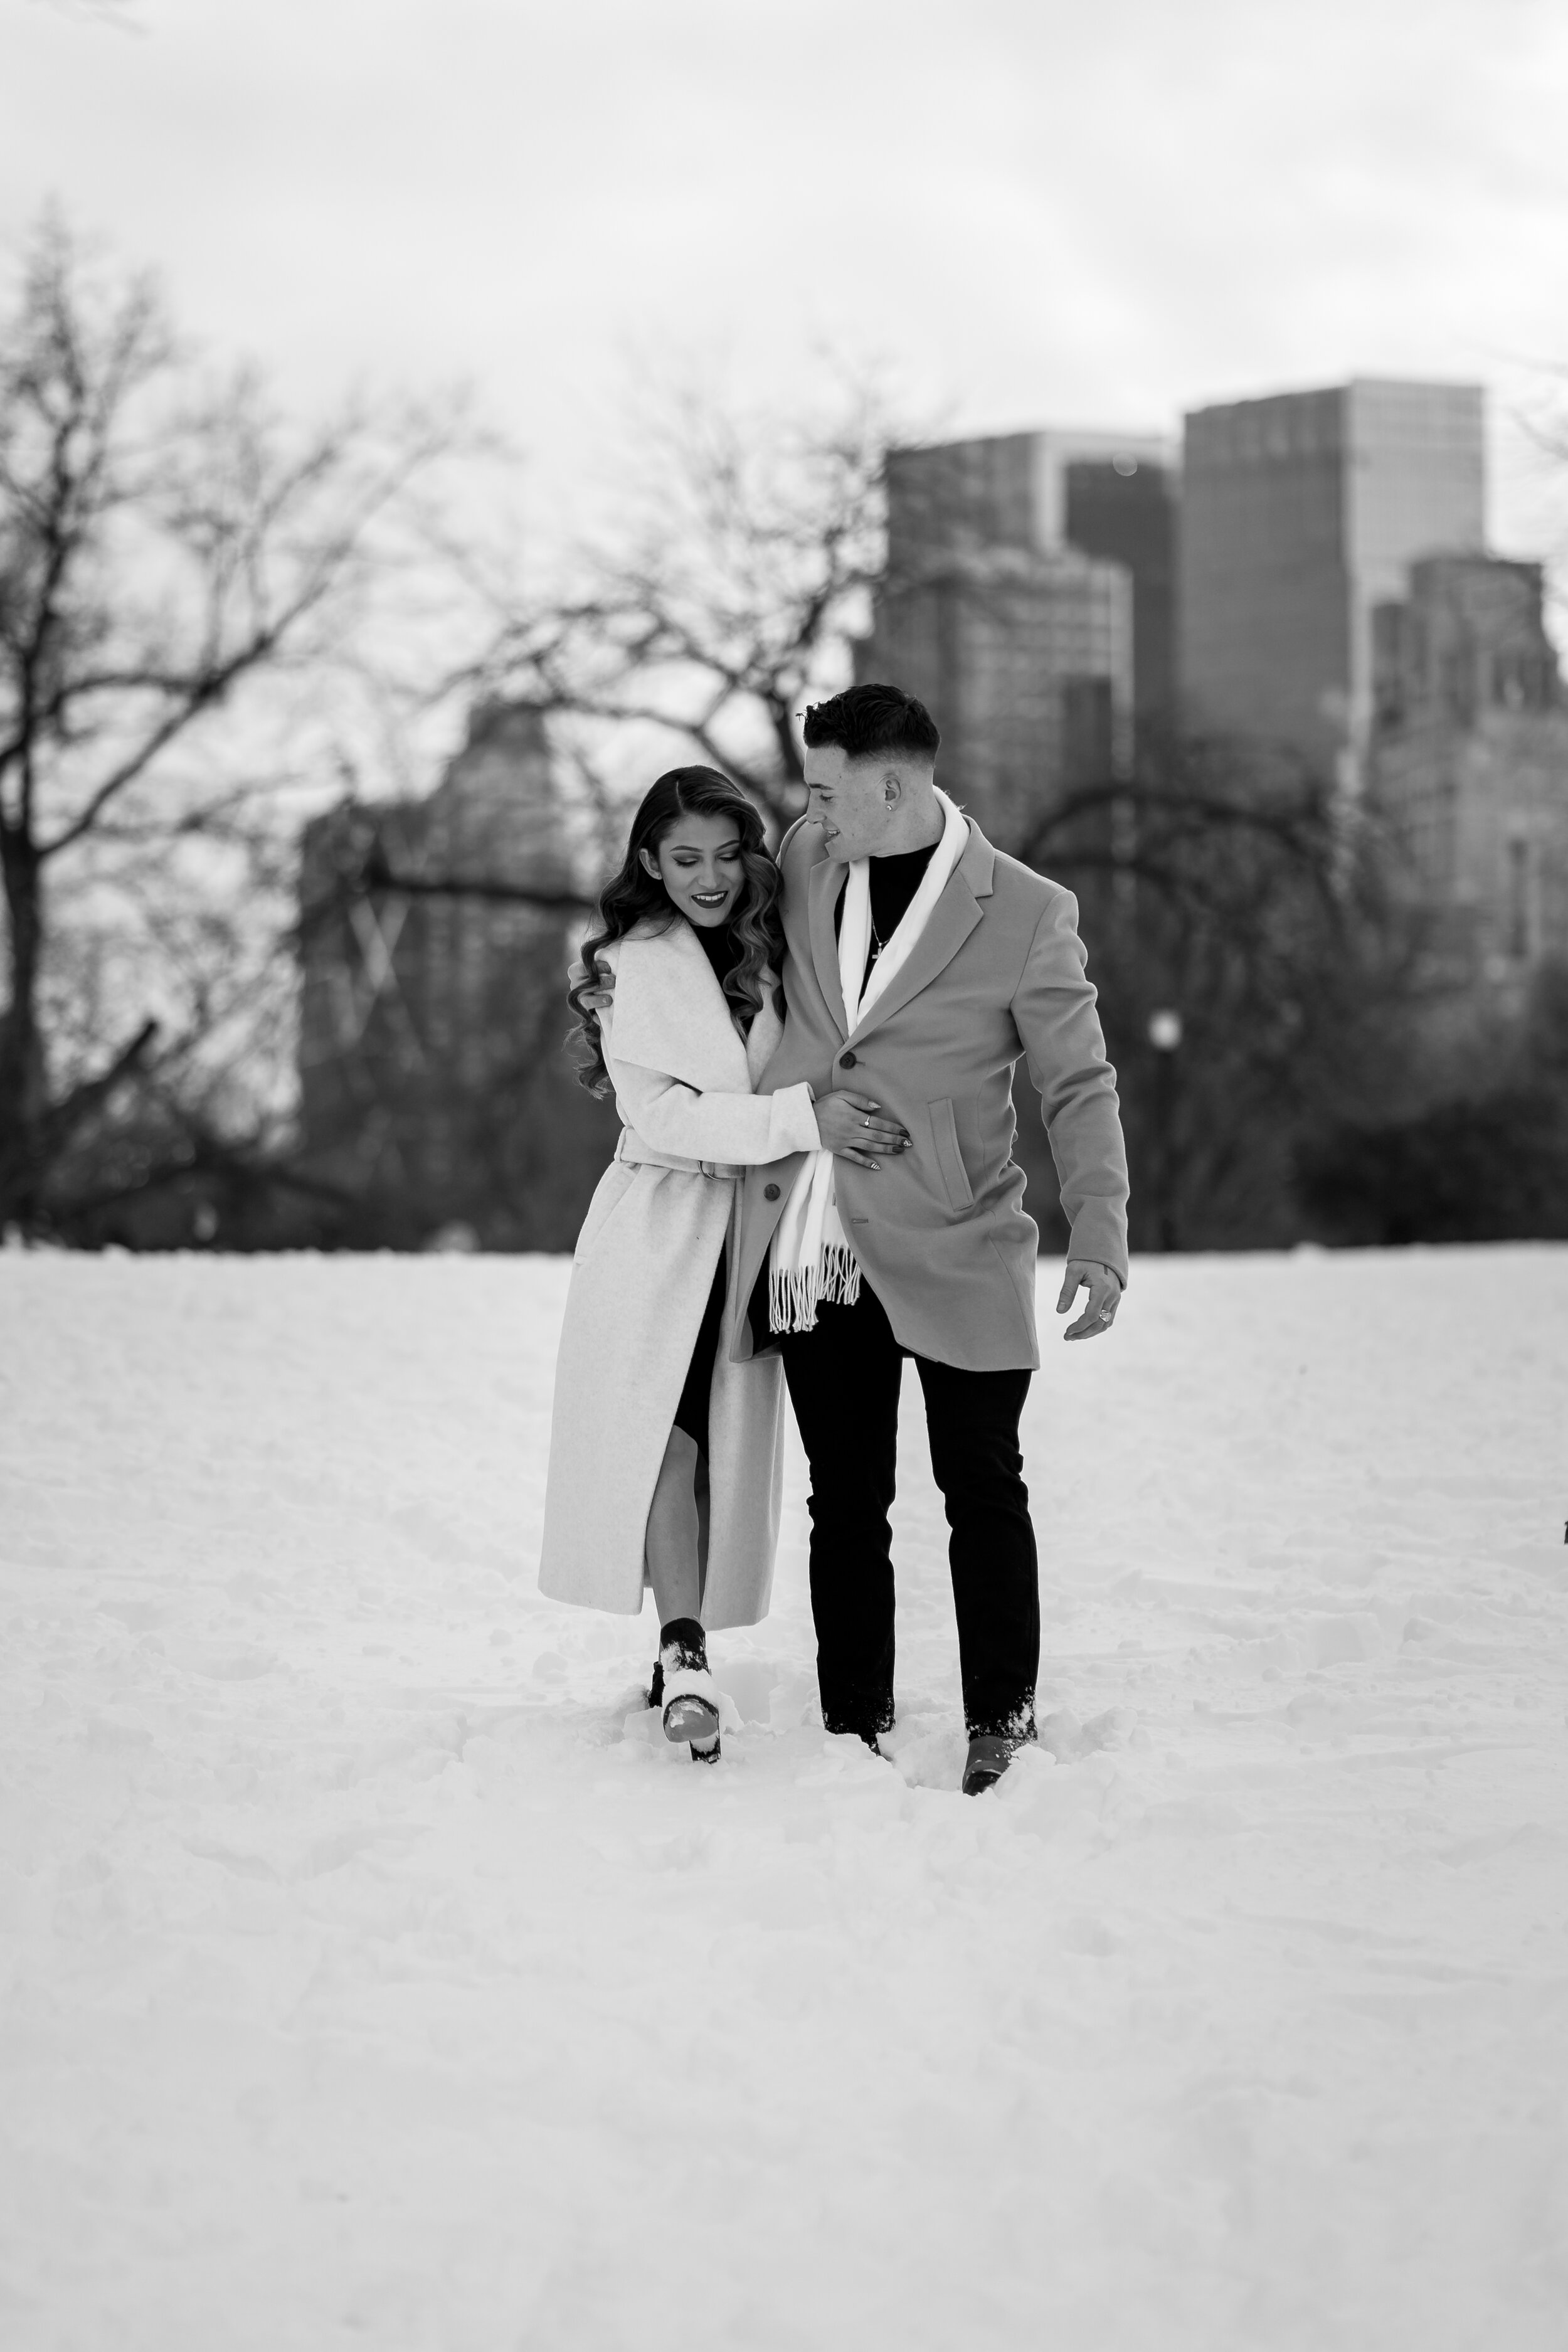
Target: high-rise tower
{"x":1302,"y":512}
{"x":433,"y":941}
{"x":1028,"y":601}
{"x":1469,"y":769}
{"x":1108,"y":496}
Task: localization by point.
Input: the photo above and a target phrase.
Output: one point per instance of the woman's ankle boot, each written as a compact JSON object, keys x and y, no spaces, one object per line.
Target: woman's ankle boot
{"x":689,"y":1693}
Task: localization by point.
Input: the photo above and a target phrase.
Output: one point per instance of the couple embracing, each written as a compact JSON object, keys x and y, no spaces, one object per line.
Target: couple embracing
{"x":813,"y":1063}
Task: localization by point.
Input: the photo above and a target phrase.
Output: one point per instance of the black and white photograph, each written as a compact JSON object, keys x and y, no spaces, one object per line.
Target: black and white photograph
{"x":784,"y":1175}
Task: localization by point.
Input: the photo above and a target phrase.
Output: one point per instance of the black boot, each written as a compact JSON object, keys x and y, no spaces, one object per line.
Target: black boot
{"x":689,"y":1694}
{"x":989,"y":1756}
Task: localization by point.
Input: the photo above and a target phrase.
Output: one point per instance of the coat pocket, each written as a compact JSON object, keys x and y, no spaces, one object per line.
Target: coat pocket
{"x":949,"y":1159}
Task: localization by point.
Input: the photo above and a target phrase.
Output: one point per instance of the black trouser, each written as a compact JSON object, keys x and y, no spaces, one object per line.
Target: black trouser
{"x":692,"y":1411}
{"x":844,"y":1385}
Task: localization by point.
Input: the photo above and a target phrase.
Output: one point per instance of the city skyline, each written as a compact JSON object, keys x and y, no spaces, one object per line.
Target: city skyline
{"x":1228,"y":585}
{"x":1044,"y":217}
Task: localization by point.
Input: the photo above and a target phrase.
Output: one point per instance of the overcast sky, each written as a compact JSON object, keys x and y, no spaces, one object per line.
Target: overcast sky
{"x":1033,"y":213}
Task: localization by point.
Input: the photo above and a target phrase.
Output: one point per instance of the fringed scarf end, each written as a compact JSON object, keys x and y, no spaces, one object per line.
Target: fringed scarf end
{"x":795,"y":1294}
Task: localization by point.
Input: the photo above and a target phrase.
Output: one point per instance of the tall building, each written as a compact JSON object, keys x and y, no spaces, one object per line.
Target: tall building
{"x":1301,"y":513}
{"x":431,"y":1018}
{"x":1469,"y":767}
{"x":1109,"y":495}
{"x":1027,"y":600}
{"x":1025,"y":662}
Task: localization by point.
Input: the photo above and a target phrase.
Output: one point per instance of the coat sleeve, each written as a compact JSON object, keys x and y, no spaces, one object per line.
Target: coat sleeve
{"x":1054,"y":1011}
{"x":744,"y":1129}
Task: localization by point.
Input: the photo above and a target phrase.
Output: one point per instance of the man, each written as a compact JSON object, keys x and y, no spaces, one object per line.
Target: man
{"x":851,"y":1266}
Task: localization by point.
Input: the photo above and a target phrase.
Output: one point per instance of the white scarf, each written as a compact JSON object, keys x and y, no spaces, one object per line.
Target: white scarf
{"x":811,"y":1264}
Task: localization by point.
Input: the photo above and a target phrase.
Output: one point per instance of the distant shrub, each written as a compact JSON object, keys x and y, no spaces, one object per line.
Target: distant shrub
{"x":1493,"y":1168}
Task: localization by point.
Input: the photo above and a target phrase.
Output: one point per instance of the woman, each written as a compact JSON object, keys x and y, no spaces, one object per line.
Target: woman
{"x":665,"y":1457}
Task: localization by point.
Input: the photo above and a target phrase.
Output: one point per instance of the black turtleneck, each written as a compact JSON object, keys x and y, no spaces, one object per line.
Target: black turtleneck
{"x":721,"y":948}
{"x":894,"y":881}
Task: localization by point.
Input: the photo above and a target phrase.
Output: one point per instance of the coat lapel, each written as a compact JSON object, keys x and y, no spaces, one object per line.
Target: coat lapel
{"x":671,"y":1013}
{"x":822,"y":886}
{"x":766,"y":1034}
{"x":953,"y":917}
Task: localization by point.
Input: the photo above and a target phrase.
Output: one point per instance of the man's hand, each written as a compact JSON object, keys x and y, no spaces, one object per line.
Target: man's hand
{"x":599,"y":996}
{"x":856,"y":1127}
{"x":1104,"y":1297}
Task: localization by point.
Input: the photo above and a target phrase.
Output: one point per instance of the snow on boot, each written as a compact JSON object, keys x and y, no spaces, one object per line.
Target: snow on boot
{"x":989,"y":1756}
{"x":690,"y":1693}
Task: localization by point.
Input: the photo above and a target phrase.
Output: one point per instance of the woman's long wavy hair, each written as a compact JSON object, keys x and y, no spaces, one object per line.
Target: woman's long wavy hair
{"x":633,"y":895}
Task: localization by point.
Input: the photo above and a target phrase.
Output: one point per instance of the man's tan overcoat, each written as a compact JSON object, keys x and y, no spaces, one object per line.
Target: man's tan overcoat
{"x":998,"y":974}
{"x":644,"y":1266}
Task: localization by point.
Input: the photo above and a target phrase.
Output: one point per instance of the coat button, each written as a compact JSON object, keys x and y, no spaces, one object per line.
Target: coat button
{"x":848,"y":1061}
{"x":770,"y":1192}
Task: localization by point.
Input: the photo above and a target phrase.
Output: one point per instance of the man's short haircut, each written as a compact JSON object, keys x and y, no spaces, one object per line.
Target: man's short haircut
{"x":867,"y":720}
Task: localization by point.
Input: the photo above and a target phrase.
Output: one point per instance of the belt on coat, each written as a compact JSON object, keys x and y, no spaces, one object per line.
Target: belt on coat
{"x":636,"y":1153}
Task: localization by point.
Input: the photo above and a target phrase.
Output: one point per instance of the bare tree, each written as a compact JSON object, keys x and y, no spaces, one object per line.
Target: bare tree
{"x":1229,"y":884}
{"x":170,"y":554}
{"x":744,"y":562}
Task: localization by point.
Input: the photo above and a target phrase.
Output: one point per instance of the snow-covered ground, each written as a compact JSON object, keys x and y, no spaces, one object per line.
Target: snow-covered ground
{"x":371,"y":1978}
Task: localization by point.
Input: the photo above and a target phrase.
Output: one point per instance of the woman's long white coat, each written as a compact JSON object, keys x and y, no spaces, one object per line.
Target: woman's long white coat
{"x":643,"y":1268}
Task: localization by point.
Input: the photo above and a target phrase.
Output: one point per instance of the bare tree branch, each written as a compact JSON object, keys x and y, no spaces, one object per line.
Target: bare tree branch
{"x":170,"y":551}
{"x":742,"y":573}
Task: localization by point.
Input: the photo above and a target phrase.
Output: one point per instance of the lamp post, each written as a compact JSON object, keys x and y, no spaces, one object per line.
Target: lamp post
{"x":1165,"y":1036}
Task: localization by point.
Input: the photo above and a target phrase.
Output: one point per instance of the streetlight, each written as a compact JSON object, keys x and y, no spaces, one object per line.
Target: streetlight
{"x":1165,"y":1036}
